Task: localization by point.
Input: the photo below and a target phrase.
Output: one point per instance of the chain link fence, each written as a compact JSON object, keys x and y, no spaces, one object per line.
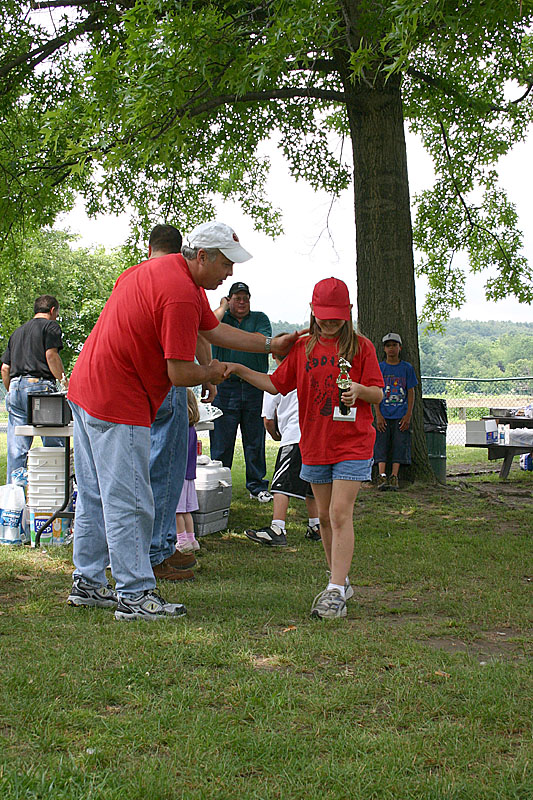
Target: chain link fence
{"x":466,"y":398}
{"x":472,"y":398}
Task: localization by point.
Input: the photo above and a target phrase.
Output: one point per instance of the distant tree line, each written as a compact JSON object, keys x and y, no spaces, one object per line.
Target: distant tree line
{"x":82,"y":280}
{"x":469,"y":348}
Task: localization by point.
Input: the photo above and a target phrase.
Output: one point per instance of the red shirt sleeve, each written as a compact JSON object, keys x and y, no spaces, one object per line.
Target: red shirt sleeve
{"x":178,"y":330}
{"x":285,"y":376}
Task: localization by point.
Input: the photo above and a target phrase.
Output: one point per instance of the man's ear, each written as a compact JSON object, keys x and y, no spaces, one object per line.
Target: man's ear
{"x":149,"y":251}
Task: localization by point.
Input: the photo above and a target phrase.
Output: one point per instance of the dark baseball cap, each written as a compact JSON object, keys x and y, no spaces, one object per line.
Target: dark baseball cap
{"x":239,"y":287}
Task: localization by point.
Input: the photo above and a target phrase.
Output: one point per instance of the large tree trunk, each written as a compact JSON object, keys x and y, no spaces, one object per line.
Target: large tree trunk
{"x":385,"y":266}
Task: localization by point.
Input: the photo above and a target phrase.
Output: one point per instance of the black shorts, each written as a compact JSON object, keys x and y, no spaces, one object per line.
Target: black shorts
{"x":393,"y":444}
{"x":286,"y":478}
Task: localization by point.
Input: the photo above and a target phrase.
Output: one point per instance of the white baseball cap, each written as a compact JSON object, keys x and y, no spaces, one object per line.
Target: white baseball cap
{"x":392,"y":337}
{"x":218,"y":236}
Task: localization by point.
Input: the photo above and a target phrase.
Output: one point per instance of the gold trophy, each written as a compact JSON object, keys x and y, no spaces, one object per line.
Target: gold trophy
{"x":344,"y":412}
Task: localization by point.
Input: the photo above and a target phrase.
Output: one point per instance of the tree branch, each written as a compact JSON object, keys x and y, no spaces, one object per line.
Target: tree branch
{"x":34,"y":57}
{"x":270,"y":94}
{"x":471,"y":222}
{"x":324,"y":65}
{"x":449,"y":89}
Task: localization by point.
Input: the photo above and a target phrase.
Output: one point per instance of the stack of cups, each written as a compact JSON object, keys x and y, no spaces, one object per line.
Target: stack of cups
{"x":46,"y":493}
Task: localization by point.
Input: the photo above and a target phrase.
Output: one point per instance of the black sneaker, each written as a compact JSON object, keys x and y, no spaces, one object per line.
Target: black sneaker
{"x":83,"y":594}
{"x":313,"y":533}
{"x":272,"y":536}
{"x":148,"y":605}
{"x":262,"y":497}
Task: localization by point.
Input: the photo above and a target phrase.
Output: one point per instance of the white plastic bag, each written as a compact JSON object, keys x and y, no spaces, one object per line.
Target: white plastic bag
{"x":12,"y":503}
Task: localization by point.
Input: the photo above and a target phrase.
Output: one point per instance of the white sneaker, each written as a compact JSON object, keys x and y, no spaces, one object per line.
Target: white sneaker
{"x":263,"y":497}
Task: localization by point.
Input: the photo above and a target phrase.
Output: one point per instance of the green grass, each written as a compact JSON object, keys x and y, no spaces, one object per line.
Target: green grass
{"x":423,"y":691}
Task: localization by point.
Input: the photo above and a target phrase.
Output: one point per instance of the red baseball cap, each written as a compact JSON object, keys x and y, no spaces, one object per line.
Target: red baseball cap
{"x":331,"y":300}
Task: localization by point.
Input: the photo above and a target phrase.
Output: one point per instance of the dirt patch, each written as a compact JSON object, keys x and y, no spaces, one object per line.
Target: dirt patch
{"x":266,"y":663}
{"x":487,"y":646}
{"x":467,"y":469}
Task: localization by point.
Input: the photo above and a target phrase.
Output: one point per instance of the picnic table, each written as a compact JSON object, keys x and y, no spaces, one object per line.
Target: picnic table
{"x":506,"y":451}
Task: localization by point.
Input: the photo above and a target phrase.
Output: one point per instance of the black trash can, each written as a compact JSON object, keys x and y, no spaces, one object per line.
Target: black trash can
{"x":435,"y":427}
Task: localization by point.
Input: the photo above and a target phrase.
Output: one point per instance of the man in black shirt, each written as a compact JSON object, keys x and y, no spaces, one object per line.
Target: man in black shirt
{"x":31,"y":364}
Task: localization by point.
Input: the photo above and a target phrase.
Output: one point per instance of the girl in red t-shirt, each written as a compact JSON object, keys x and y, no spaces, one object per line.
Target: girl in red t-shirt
{"x":336,"y":448}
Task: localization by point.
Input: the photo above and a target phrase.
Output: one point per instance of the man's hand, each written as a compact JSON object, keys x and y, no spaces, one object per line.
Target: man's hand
{"x":209,"y":392}
{"x":405,"y":422}
{"x":216,"y":371}
{"x":221,"y":310}
{"x":282,"y":344}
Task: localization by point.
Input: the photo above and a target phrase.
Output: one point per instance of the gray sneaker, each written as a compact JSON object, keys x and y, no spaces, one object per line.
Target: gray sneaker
{"x":348,"y":588}
{"x":328,"y":605}
{"x":83,"y":594}
{"x":382,"y":483}
{"x":393,"y":483}
{"x":148,"y":605}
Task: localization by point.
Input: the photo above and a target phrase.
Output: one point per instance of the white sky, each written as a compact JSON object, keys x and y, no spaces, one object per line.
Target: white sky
{"x":282,"y":273}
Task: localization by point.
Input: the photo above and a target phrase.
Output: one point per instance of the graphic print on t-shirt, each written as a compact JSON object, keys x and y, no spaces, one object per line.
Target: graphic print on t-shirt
{"x":394,"y":393}
{"x":323,"y":388}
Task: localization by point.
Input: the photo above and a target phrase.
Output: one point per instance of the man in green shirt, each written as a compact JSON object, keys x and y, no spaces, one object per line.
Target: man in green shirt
{"x":240,"y":402}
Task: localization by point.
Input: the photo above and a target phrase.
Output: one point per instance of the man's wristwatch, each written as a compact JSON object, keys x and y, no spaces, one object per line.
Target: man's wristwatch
{"x":268,"y":344}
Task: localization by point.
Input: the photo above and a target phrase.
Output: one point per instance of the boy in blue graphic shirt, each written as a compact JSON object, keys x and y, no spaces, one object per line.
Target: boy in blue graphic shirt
{"x":393,"y":414}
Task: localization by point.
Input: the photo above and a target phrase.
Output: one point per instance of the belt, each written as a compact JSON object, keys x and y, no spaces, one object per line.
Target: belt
{"x":31,"y":378}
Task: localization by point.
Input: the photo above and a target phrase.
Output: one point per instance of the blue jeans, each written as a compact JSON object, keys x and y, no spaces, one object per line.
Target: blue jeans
{"x":115,"y":507}
{"x":17,"y":407}
{"x":242,"y":405}
{"x":169,"y":438}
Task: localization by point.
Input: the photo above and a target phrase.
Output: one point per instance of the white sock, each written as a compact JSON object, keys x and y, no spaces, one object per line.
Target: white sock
{"x":280,"y":523}
{"x":336,"y":586}
{"x":313,"y":521}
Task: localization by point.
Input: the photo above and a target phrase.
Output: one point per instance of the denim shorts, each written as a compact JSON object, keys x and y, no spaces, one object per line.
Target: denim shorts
{"x":343,"y":471}
{"x":392,"y":444}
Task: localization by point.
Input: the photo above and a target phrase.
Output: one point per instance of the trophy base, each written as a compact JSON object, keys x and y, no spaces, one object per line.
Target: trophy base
{"x":349,"y":417}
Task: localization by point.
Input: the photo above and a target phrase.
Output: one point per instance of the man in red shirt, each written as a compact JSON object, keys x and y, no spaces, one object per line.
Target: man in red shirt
{"x":143,"y":342}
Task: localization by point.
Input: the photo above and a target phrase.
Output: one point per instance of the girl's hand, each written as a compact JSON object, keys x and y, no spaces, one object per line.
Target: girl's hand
{"x":231,"y":369}
{"x":349,"y":396}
